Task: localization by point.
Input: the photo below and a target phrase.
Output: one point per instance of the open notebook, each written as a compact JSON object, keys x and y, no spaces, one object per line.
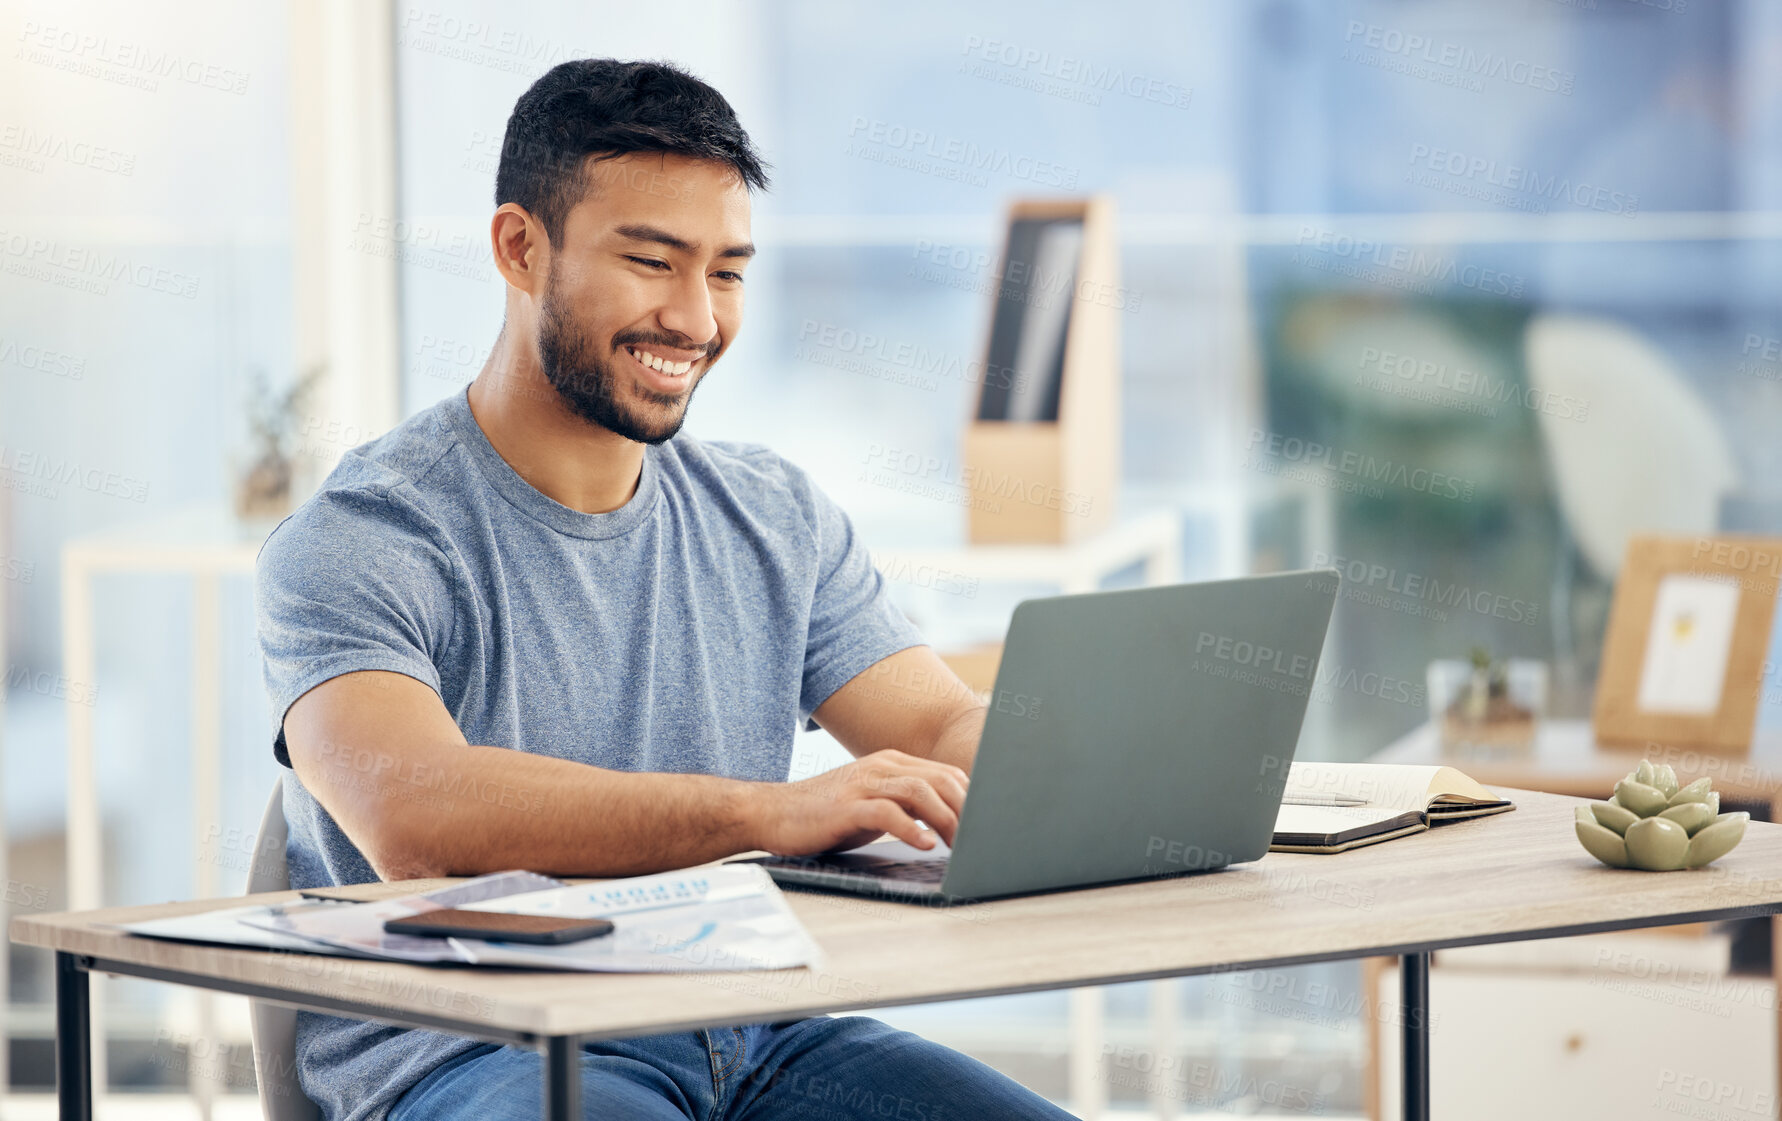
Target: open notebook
{"x":1332,"y":807}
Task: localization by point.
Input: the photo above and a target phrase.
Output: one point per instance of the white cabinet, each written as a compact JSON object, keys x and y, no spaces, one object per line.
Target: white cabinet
{"x":1632,"y":1035}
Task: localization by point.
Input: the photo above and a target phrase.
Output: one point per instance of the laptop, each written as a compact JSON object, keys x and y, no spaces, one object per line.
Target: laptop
{"x":1131,"y":735}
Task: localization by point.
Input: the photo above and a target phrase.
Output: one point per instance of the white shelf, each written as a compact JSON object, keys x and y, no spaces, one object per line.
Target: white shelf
{"x":1152,"y":539}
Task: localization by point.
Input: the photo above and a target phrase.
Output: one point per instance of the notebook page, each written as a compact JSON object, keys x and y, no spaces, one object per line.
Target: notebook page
{"x":1396,"y":786}
{"x":1326,"y":821}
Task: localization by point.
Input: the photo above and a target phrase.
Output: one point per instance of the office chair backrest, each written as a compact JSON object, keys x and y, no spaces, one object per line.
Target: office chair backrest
{"x":274,"y":1026}
{"x":1633,"y":447}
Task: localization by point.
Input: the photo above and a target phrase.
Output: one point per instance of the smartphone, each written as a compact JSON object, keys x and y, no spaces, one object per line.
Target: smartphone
{"x":547,"y":930}
{"x":331,"y":895}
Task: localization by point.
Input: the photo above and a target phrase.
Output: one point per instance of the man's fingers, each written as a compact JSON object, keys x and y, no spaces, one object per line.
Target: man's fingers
{"x":926,"y":803}
{"x":951,"y":788}
{"x":919,"y":798}
{"x":889,"y":790}
{"x":902,"y":760}
{"x":887,"y":816}
{"x":949,"y":782}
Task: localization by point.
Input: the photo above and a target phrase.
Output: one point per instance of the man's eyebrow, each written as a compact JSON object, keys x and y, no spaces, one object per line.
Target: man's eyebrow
{"x":663,"y":237}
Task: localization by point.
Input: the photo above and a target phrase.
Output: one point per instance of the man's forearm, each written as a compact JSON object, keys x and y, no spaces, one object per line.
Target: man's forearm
{"x":957,"y":741}
{"x":463,"y":810}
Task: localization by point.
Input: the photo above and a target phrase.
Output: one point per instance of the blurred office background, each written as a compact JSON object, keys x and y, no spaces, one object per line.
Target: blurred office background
{"x":1524,"y":248}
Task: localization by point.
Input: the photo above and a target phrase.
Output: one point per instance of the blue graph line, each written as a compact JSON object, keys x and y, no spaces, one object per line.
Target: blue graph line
{"x":704,"y":933}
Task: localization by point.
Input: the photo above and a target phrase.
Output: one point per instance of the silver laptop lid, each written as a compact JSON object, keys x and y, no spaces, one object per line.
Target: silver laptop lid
{"x":1139,"y":733}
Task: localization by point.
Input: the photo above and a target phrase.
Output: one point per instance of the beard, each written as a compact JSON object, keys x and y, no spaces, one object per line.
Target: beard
{"x":592,"y":385}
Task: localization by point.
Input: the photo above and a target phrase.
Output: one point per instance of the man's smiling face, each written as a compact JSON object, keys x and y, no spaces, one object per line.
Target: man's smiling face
{"x":646,"y":290}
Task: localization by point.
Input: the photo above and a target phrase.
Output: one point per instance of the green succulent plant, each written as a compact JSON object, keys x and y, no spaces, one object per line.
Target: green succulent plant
{"x":1656,"y":826}
{"x":1652,"y":824}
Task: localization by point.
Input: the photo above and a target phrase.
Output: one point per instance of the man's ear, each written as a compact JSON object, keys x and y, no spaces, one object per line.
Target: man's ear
{"x":522,"y":251}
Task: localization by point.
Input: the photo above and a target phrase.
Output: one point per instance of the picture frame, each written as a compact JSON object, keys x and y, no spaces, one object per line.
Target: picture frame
{"x":1683,"y":655}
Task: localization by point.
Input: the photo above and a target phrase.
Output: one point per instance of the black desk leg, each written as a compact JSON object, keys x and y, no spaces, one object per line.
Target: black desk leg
{"x":1413,"y":972}
{"x":74,"y":1041}
{"x":563,"y":1078}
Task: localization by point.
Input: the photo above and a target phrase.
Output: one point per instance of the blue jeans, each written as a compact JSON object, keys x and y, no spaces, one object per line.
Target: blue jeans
{"x":820,"y":1069}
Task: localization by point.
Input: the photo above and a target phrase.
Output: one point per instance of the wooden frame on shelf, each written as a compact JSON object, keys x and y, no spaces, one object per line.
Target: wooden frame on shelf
{"x":1684,"y":650}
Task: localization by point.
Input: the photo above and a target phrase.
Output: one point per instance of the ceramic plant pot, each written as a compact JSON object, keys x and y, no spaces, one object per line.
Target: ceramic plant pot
{"x":1656,"y":826}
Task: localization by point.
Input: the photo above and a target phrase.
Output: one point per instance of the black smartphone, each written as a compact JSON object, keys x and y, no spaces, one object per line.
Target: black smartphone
{"x":546,"y":930}
{"x":330,"y":895}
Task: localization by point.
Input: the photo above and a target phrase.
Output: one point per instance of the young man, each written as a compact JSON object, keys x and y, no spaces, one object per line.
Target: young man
{"x":536,"y":626}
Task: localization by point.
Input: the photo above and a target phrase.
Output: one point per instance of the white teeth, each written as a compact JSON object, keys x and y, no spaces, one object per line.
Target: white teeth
{"x":662,"y":364}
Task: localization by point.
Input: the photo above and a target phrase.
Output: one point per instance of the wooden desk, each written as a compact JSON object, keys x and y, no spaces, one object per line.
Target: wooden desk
{"x":1566,"y":759}
{"x":1517,"y":876}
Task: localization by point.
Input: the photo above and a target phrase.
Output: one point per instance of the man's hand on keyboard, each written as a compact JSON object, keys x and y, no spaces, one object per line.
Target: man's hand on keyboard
{"x":884,"y":792}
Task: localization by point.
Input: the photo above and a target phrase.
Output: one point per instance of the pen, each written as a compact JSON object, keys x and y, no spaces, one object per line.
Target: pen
{"x":1322,"y":800}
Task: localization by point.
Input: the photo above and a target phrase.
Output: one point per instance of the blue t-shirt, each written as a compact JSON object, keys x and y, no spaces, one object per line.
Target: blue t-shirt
{"x":692,"y":630}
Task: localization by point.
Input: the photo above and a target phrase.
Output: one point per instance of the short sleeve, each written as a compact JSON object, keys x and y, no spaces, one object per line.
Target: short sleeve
{"x":354,"y":580}
{"x":853,"y":622}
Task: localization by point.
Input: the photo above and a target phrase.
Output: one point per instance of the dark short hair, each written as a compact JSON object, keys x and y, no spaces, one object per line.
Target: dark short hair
{"x":603,"y":107}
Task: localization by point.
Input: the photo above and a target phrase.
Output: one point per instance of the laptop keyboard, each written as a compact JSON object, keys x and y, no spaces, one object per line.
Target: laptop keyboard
{"x":920,"y":871}
{"x":909,"y":871}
